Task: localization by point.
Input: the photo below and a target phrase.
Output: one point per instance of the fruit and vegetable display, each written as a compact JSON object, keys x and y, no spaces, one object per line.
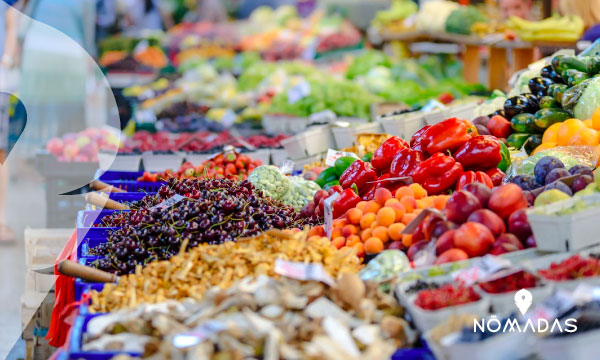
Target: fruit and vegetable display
{"x":83,"y":146}
{"x":510,"y":283}
{"x":190,"y":274}
{"x":278,"y":318}
{"x":229,"y":165}
{"x":444,"y":296}
{"x":382,"y":244}
{"x":204,"y":211}
{"x":558,"y":110}
{"x":197,"y":142}
{"x":572,"y":268}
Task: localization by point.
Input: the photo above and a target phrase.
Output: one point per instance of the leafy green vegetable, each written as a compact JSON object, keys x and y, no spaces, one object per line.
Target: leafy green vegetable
{"x":461,"y":20}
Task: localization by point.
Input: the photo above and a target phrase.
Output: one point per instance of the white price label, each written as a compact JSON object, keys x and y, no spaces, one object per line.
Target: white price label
{"x":333,"y":155}
{"x":298,"y":92}
{"x":228,"y":118}
{"x":302,"y":271}
{"x":328,"y":213}
{"x":481,"y":268}
{"x":145,"y":116}
{"x":169,"y":202}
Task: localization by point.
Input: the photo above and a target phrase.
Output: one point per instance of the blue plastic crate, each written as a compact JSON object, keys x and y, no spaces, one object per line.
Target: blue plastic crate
{"x":87,"y":243}
{"x":87,"y":218}
{"x":117,"y":175}
{"x":82,"y":286}
{"x":123,"y":198}
{"x":76,"y":343}
{"x":136,"y":186}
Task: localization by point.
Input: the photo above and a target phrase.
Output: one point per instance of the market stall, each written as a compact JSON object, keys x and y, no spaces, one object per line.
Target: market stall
{"x":267,"y":204}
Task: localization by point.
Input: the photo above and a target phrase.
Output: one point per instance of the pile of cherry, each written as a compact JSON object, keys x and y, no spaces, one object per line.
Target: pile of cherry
{"x":211,"y":211}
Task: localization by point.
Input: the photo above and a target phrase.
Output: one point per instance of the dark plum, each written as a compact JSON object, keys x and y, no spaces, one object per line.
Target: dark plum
{"x":525,"y":182}
{"x":544,"y":166}
{"x":559,"y":185}
{"x":555,"y":174}
{"x":581,"y":183}
{"x":481,"y":192}
{"x":581,"y":170}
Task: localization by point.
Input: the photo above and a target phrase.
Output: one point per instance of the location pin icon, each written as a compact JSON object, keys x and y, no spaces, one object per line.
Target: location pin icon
{"x":523,"y":299}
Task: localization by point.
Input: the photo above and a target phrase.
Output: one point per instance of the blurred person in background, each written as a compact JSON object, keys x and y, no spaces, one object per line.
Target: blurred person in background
{"x":518,"y":8}
{"x":106,"y":16}
{"x":55,"y":67}
{"x":8,"y":59}
{"x":211,"y":10}
{"x":139,"y":15}
{"x":588,"y":10}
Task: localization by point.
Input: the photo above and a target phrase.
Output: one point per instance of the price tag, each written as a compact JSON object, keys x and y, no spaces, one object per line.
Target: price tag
{"x":480,"y":269}
{"x":198,"y":334}
{"x":228,"y":118}
{"x":169,"y":202}
{"x":432,"y":105}
{"x":145,"y":116}
{"x":298,"y":92}
{"x":302,"y":271}
{"x":333,"y":155}
{"x":328,"y":213}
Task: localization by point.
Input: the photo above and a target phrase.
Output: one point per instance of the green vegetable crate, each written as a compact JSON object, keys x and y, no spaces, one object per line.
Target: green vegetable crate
{"x":569,"y":232}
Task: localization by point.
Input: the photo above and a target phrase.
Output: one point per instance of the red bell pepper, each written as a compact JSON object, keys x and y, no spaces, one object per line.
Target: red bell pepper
{"x":417,"y":141}
{"x":347,"y":200}
{"x":448,"y":135}
{"x":438,"y":173}
{"x":335,"y":189}
{"x":332,"y":190}
{"x":359,"y":173}
{"x":383,"y":182}
{"x":496,"y":175}
{"x":479,"y":153}
{"x":474,"y":176}
{"x":383,"y":156}
{"x":405,"y":162}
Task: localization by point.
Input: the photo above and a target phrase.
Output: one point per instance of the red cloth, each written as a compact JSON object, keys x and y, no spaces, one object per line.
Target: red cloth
{"x":64,"y":297}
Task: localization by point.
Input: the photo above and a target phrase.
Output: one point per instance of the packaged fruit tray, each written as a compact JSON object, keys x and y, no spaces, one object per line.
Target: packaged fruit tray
{"x":427,"y":319}
{"x":76,"y":342}
{"x":567,"y":232}
{"x":504,"y":303}
{"x":82,"y":286}
{"x":534,"y":265}
{"x":86,"y":219}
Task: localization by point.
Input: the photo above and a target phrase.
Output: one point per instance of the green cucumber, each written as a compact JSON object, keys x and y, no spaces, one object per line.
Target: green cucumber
{"x":524,"y":123}
{"x":517,"y":140}
{"x":555,"y":88}
{"x":593,"y":65}
{"x":573,"y":77}
{"x":546,"y":117}
{"x":532,"y":142}
{"x":548,"y":102}
{"x":561,"y":63}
